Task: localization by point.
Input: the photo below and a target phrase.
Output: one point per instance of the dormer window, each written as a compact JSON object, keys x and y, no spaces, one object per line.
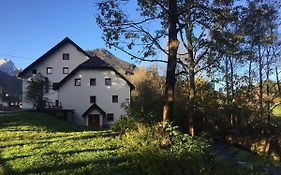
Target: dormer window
{"x":49,"y":70}
{"x":65,"y":56}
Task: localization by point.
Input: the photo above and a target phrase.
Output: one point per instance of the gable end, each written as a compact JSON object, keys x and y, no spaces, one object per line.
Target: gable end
{"x":50,"y":52}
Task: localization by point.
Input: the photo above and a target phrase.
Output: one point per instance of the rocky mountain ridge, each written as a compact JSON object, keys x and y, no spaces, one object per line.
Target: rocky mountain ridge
{"x":8,"y":80}
{"x":8,"y":67}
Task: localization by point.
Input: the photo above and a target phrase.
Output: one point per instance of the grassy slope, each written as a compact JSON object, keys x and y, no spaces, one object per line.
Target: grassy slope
{"x":32,"y":143}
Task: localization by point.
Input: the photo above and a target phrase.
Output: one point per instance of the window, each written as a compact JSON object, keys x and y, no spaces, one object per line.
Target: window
{"x":92,"y":82}
{"x":49,"y":70}
{"x":77,"y":81}
{"x":34,"y":71}
{"x":110,"y":117}
{"x":108,"y":81}
{"x":65,"y":56}
{"x":92,"y":99}
{"x":114,"y":98}
{"x":65,"y":70}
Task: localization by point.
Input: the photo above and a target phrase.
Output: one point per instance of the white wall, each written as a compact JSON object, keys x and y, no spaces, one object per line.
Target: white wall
{"x":25,"y":104}
{"x":78,"y":97}
{"x":55,"y":61}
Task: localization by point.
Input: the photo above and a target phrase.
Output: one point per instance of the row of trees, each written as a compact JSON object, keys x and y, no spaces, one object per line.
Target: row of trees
{"x":230,"y":46}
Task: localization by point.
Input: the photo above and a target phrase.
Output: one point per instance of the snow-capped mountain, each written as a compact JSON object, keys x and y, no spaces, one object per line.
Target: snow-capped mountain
{"x":8,"y":80}
{"x":8,"y":67}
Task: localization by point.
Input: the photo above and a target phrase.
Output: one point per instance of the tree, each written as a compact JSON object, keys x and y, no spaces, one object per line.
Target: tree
{"x":201,"y":21}
{"x":37,"y":87}
{"x":226,"y":48}
{"x":203,"y":36}
{"x":259,"y":23}
{"x":276,"y":51}
{"x":147,"y":99}
{"x":127,"y":34}
{"x":184,"y":23}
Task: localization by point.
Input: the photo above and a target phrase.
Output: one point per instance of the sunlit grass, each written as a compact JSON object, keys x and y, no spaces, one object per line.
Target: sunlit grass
{"x":33,"y":143}
{"x":277,"y":111}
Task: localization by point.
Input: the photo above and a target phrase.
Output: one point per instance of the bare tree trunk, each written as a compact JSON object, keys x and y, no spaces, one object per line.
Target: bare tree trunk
{"x":267,"y":85}
{"x":277,"y":72}
{"x":227,"y":86}
{"x":277,"y":80}
{"x":250,"y":93}
{"x":227,"y":81}
{"x":172,"y":62}
{"x":250,"y":80}
{"x":232,"y":79}
{"x":191,"y":98}
{"x":260,"y":82}
{"x":191,"y":70}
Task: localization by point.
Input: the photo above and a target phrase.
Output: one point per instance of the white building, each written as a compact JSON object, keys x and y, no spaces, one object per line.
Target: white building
{"x":80,"y":82}
{"x":3,"y":103}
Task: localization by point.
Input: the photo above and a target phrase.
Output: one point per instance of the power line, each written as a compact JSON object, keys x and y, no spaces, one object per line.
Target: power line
{"x":9,"y":55}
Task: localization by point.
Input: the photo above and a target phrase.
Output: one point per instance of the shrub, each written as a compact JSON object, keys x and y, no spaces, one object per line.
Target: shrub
{"x":162,"y":149}
{"x":124,"y":124}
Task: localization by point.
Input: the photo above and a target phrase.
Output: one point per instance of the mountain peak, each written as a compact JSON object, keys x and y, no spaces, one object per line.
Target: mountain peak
{"x":8,"y":67}
{"x":3,"y":61}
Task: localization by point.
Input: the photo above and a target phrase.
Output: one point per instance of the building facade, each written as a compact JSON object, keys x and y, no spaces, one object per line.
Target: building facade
{"x":86,"y":84}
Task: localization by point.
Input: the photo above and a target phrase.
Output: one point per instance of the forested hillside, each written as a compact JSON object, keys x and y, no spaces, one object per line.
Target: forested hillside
{"x":11,"y":85}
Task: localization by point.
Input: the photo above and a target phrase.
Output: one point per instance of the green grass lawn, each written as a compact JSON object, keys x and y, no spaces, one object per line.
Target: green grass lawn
{"x":33,"y":143}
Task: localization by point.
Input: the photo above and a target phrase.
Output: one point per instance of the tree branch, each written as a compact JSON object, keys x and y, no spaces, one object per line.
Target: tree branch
{"x":154,"y":40}
{"x":139,"y":58}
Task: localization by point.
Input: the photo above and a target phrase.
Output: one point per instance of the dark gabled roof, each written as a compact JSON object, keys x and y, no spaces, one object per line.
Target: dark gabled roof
{"x":94,"y":63}
{"x":51,"y":51}
{"x":93,"y":107}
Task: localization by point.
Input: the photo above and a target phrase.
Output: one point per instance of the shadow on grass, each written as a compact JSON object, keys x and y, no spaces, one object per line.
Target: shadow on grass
{"x":5,"y":169}
{"x":60,"y":139}
{"x":94,"y":166}
{"x":38,"y":121}
{"x":70,"y":152}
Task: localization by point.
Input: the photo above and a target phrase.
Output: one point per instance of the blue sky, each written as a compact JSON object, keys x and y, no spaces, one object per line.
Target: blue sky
{"x":29,"y":28}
